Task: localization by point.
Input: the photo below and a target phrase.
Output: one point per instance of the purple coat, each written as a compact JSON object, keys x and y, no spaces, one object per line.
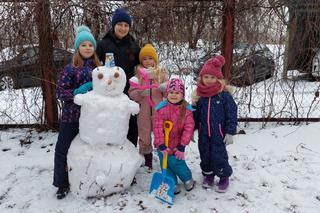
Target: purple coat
{"x":70,"y":79}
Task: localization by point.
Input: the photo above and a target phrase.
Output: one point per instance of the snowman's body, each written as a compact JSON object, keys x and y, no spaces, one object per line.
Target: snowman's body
{"x":101,"y":160}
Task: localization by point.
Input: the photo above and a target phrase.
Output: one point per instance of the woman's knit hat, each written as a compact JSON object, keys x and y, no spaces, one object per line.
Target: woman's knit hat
{"x":213,"y":67}
{"x":148,"y":50}
{"x":175,"y":84}
{"x":119,"y":15}
{"x":84,"y":34}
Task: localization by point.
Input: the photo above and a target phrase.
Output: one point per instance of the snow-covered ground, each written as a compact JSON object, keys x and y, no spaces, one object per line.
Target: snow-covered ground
{"x":276,"y":169}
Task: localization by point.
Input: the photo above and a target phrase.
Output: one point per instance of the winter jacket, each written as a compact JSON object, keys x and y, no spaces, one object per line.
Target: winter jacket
{"x":216,"y":116}
{"x":125,"y":52}
{"x":71,"y":78}
{"x":146,"y":111}
{"x":182,"y":130}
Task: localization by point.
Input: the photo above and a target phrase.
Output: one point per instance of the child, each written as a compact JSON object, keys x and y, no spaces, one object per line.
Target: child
{"x":177,"y":110}
{"x":74,"y":79}
{"x":216,"y":116}
{"x":147,"y":98}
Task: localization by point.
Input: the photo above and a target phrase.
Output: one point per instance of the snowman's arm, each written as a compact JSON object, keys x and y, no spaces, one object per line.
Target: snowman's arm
{"x":79,"y":99}
{"x":134,"y":107}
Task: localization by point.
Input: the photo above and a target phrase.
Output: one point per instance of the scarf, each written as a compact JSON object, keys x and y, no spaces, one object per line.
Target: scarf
{"x":208,"y":91}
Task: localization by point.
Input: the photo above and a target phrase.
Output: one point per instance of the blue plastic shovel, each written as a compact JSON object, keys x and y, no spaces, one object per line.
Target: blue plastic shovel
{"x":162,"y":186}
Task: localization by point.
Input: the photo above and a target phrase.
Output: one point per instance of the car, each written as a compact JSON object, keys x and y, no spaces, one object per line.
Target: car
{"x":252,"y":63}
{"x":23,"y":70}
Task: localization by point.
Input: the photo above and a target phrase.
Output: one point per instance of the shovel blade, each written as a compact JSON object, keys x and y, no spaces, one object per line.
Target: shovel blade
{"x":162,"y":188}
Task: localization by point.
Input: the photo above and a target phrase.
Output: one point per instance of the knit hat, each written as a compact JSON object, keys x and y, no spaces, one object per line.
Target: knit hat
{"x":175,"y":84}
{"x":119,"y":15}
{"x":213,"y":67}
{"x":84,"y":34}
{"x":148,"y":50}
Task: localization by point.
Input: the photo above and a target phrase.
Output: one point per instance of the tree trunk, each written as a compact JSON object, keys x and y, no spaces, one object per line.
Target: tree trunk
{"x":48,"y":75}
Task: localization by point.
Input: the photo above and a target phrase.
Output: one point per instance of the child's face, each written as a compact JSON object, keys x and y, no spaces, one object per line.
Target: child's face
{"x":86,"y":49}
{"x":208,"y":79}
{"x":175,"y":97}
{"x":148,"y":62}
{"x":121,"y":29}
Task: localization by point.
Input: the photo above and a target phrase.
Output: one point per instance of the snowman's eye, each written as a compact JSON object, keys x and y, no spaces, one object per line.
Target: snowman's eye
{"x":100,"y":76}
{"x":116,"y":75}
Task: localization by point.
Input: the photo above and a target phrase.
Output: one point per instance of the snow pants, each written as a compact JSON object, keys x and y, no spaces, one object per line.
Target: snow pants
{"x":176,"y":168}
{"x":67,"y":132}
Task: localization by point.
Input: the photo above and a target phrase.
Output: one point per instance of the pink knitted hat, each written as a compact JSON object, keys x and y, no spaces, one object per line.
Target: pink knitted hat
{"x":175,"y":84}
{"x":213,"y":67}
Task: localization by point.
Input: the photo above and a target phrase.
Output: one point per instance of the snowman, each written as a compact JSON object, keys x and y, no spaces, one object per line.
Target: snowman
{"x":101,"y":160}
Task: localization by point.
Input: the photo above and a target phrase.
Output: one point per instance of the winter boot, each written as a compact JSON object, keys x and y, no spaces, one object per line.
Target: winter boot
{"x":62,"y":192}
{"x":148,"y":161}
{"x":189,"y":185}
{"x":208,"y":181}
{"x":177,"y":190}
{"x":222,"y":185}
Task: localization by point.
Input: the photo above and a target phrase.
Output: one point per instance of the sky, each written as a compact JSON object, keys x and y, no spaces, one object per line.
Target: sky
{"x":276,"y":169}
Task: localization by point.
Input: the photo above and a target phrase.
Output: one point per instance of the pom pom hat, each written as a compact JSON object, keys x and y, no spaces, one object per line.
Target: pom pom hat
{"x":148,"y":50}
{"x":84,"y":34}
{"x":175,"y":84}
{"x":213,"y":67}
{"x":120,"y":15}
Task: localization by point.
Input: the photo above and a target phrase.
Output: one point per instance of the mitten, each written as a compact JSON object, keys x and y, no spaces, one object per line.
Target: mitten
{"x":194,"y":98}
{"x":228,"y":139}
{"x":180,"y":152}
{"x":163,"y":149}
{"x":145,"y":92}
{"x":84,"y":88}
{"x":179,"y":155}
{"x":162,"y":87}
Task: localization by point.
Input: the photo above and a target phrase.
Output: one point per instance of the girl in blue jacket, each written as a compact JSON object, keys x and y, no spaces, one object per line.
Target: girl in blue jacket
{"x":74,"y":79}
{"x":216,"y":118}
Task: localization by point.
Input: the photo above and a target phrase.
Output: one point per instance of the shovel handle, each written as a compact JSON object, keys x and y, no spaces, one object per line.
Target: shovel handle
{"x":167,"y":126}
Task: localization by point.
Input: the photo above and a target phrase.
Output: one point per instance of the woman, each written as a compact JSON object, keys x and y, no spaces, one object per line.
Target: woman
{"x":122,"y":50}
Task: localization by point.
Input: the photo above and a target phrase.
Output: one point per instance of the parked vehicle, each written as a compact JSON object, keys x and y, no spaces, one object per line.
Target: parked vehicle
{"x":252,"y":63}
{"x":23,"y":69}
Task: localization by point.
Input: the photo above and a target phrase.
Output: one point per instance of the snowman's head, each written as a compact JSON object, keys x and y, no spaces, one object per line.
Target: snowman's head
{"x":108,"y":81}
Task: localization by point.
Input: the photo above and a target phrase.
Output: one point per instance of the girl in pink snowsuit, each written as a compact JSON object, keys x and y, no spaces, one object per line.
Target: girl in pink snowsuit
{"x":177,"y":110}
{"x":147,"y":98}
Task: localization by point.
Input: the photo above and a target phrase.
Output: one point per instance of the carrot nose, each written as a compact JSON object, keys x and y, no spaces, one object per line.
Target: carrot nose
{"x":109,"y":81}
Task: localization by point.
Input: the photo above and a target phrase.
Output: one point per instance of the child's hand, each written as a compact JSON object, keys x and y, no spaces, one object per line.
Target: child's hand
{"x":228,"y":139}
{"x":163,"y":149}
{"x":84,"y":88}
{"x":194,"y":98}
{"x":179,"y":155}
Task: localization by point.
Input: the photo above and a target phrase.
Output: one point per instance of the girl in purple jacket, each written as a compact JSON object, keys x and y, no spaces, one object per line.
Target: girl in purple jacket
{"x":74,"y":79}
{"x":177,"y":110}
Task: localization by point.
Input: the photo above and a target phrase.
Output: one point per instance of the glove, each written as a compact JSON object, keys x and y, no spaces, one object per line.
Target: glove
{"x":180,"y":152}
{"x":145,"y":92}
{"x":163,"y":149}
{"x":84,"y":88}
{"x":162,"y":87}
{"x":228,"y":139}
{"x":179,"y":155}
{"x":194,"y":98}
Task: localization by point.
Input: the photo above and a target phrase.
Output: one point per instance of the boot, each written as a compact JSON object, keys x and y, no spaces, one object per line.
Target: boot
{"x":148,"y":160}
{"x":189,"y":185}
{"x":223,"y":184}
{"x":177,"y":190}
{"x":208,"y":181}
{"x":62,"y":192}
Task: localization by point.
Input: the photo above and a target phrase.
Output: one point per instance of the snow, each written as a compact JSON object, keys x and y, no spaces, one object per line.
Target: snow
{"x":276,"y":169}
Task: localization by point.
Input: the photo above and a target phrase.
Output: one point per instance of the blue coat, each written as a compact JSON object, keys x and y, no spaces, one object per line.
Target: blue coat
{"x":215,"y":117}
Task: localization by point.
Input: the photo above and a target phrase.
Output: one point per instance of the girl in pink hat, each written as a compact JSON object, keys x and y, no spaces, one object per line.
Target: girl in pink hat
{"x":216,"y":118}
{"x":177,"y":110}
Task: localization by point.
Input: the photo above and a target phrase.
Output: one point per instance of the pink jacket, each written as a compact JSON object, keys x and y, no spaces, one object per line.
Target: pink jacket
{"x":145,"y":115}
{"x":182,"y":130}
